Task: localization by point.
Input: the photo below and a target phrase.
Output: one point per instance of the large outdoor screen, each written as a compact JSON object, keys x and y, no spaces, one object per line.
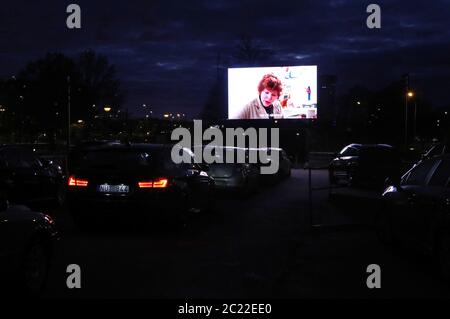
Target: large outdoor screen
{"x":288,"y":92}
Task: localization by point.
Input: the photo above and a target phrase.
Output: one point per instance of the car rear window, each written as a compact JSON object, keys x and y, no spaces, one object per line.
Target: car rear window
{"x":378,"y":154}
{"x":117,"y":159}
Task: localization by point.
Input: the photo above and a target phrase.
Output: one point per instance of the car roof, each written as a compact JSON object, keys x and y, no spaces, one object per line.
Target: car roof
{"x":359,"y":146}
{"x":370,"y":146}
{"x":137,"y":146}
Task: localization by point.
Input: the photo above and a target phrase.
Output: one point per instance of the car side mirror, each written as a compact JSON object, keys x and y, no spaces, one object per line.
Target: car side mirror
{"x":393,"y":181}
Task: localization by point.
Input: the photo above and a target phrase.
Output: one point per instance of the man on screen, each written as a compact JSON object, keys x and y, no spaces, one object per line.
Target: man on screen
{"x":266,"y":105}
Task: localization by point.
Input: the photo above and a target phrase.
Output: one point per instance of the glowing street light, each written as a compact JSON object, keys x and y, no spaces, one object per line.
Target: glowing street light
{"x":409,"y":94}
{"x":107,"y":109}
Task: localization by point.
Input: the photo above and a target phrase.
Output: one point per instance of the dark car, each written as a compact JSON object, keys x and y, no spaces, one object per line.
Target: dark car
{"x":436,"y":150}
{"x":241,"y":177}
{"x":416,"y":210}
{"x":284,"y":165}
{"x":27,"y":240}
{"x":364,"y":165}
{"x":28,"y":179}
{"x":137,"y":179}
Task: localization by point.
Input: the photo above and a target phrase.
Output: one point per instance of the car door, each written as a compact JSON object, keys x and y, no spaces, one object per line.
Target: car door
{"x":45,"y":178}
{"x":434,"y":199}
{"x":3,"y":237}
{"x":409,"y":221}
{"x":23,"y":183}
{"x":9,"y":241}
{"x":198,"y":181}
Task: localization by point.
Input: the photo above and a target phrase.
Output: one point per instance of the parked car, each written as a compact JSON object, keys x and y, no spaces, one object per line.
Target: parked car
{"x":139,"y":178}
{"x":241,"y":177}
{"x":77,"y":151}
{"x":364,"y":165}
{"x":436,"y":150}
{"x":416,"y":210}
{"x":28,"y":179}
{"x":284,"y":165}
{"x":27,"y":240}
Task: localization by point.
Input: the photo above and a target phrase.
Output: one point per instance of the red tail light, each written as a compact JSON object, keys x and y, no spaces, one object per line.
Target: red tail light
{"x":160,"y":183}
{"x":77,"y":182}
{"x":156,"y":183}
{"x":145,"y":184}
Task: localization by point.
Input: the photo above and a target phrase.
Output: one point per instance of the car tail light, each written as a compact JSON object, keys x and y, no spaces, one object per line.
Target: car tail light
{"x":156,"y":183}
{"x":73,"y":181}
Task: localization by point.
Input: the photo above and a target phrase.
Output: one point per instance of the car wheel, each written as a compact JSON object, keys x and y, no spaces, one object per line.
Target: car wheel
{"x":34,"y":268}
{"x":443,"y":254}
{"x":383,"y":228}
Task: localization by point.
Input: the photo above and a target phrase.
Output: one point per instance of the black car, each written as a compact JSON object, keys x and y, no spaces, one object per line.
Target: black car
{"x":28,"y":179}
{"x":27,"y":241}
{"x":284,"y":165}
{"x":232,"y":176}
{"x":139,"y":178}
{"x":416,"y":210}
{"x":437,"y":149}
{"x":364,"y":165}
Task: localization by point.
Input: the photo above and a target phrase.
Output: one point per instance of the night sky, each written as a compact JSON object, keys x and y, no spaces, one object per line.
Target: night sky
{"x":165,"y":52}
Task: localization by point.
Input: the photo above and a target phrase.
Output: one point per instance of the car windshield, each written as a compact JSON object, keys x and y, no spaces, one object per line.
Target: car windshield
{"x":349,"y":151}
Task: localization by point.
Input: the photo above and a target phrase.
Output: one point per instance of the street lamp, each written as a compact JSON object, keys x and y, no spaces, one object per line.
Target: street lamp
{"x":409,"y":94}
{"x":107,"y":109}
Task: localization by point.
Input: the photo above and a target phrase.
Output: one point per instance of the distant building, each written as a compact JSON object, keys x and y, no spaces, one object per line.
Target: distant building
{"x":174,"y":116}
{"x":327,"y":98}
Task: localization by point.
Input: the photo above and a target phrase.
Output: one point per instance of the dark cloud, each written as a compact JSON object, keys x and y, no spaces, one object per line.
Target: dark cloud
{"x":165,"y":52}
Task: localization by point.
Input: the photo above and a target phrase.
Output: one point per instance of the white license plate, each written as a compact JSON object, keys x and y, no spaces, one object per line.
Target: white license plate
{"x":106,"y":188}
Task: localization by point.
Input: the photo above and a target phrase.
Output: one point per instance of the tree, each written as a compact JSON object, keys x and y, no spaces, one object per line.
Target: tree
{"x":250,"y":52}
{"x":98,"y":85}
{"x":90,"y":79}
{"x":45,"y":91}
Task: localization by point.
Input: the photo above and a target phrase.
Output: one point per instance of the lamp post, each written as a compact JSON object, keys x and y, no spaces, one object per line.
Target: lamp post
{"x":415,"y":118}
{"x":68,"y":123}
{"x":409,"y":94}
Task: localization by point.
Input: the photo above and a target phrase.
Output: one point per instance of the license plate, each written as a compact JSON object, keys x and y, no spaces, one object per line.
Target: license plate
{"x":106,"y":188}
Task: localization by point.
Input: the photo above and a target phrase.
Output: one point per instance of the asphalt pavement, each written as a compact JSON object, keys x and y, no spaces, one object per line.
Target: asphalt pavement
{"x":274,"y":244}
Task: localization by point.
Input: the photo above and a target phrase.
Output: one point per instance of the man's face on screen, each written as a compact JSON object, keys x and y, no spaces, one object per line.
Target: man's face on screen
{"x":268,"y":96}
